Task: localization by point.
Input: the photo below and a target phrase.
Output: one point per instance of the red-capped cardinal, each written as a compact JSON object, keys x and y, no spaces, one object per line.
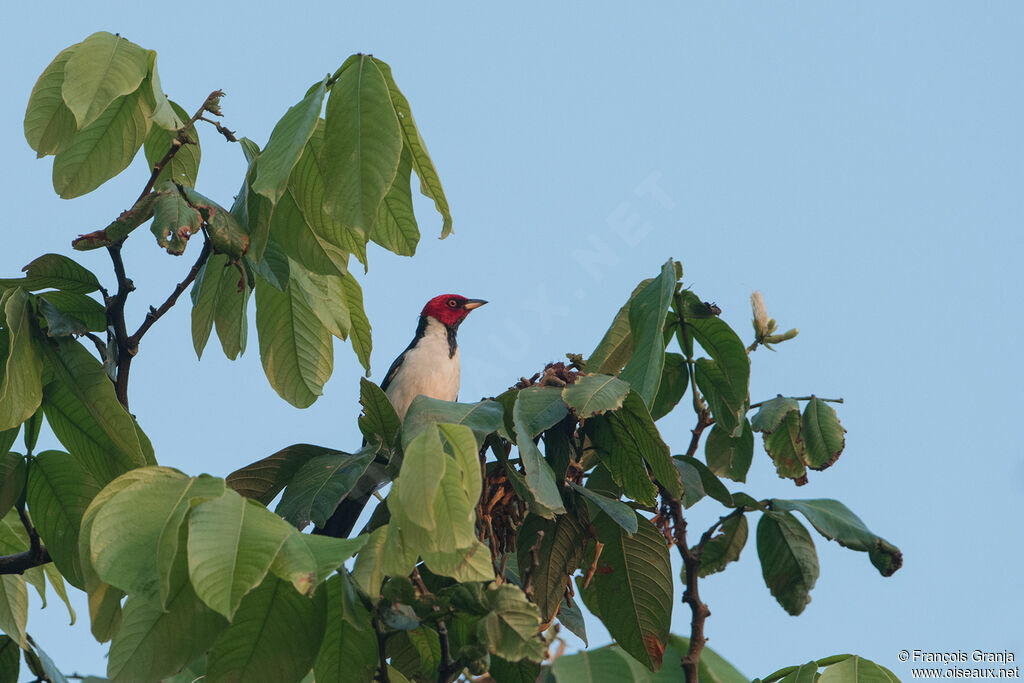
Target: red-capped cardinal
{"x":429,"y":366}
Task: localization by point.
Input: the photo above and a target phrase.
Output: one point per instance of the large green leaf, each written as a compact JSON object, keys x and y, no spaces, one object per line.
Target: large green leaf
{"x":275,"y":636}
{"x":378,"y":420}
{"x":84,"y":413}
{"x":174,"y":221}
{"x":724,"y":547}
{"x":599,"y":666}
{"x":772,"y":412}
{"x":359,"y":334}
{"x":138,"y":558}
{"x":559,"y":556}
{"x":789,"y":562}
{"x":57,"y":581}
{"x":412,"y":143}
{"x":540,"y":408}
{"x":730,"y":456}
{"x":13,"y":607}
{"x":822,"y":434}
{"x":362,"y":144}
{"x":348,"y":653}
{"x":154,"y":642}
{"x":59,"y":490}
{"x":725,"y":377}
{"x":56,"y":271}
{"x":10,"y":660}
{"x":647,"y":312}
{"x":184,"y":165}
{"x":286,"y":143}
{"x":699,"y":481}
{"x":230,"y":314}
{"x":539,"y":475}
{"x":296,"y":349}
{"x":483,"y":417}
{"x":325,"y":294}
{"x":675,"y":378}
{"x":205,"y":291}
{"x":395,"y":227}
{"x":510,"y":628}
{"x":82,"y":312}
{"x":103,"y":148}
{"x":623,"y":515}
{"x":49,"y":124}
{"x":21,"y":390}
{"x":232,"y":542}
{"x":634,"y":589}
{"x":858,"y":670}
{"x":712,"y":668}
{"x":102,"y":68}
{"x":836,"y":522}
{"x":264,"y":479}
{"x":423,"y":467}
{"x":594,"y":394}
{"x":320,"y":484}
{"x":12,"y":479}
{"x":786,"y":447}
{"x":165,"y":114}
{"x":616,"y":346}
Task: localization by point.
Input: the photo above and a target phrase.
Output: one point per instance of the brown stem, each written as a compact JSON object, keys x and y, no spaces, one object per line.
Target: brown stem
{"x":704,"y":420}
{"x":797,"y":398}
{"x":156,"y":313}
{"x":382,"y":656}
{"x":115,"y":317}
{"x":691,"y":593}
{"x":36,"y":554}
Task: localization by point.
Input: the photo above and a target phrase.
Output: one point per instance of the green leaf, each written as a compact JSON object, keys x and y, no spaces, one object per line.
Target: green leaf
{"x":232,"y":542}
{"x":423,"y":467}
{"x":416,"y":653}
{"x":102,"y":149}
{"x":10,"y":660}
{"x":771,"y":413}
{"x":594,"y":394}
{"x":57,"y":581}
{"x":320,"y":484}
{"x":730,"y":456}
{"x":13,"y":607}
{"x":230,"y":314}
{"x":102,"y":68}
{"x":627,"y":439}
{"x":59,"y":490}
{"x":295,"y":347}
{"x":32,"y":427}
{"x":822,"y":434}
{"x":301,"y":224}
{"x":622,"y":514}
{"x":378,"y":420}
{"x":412,"y":143}
{"x":84,"y":413}
{"x":286,"y":143}
{"x":857,"y":669}
{"x":540,"y":408}
{"x":510,"y":628}
{"x":264,"y":479}
{"x":85,"y":313}
{"x":675,"y":378}
{"x":712,"y":666}
{"x":836,"y":522}
{"x":616,"y":347}
{"x":21,"y":390}
{"x":789,"y":562}
{"x":724,"y":547}
{"x":359,"y":334}
{"x":154,"y":643}
{"x":184,"y":165}
{"x":560,"y":554}
{"x":647,"y":313}
{"x":724,"y":378}
{"x":42,"y":661}
{"x":49,"y":124}
{"x":707,"y":482}
{"x":362,"y":144}
{"x":205,"y":291}
{"x":786,"y":447}
{"x":165,"y":113}
{"x":395,"y":227}
{"x":598,"y":666}
{"x":56,"y":271}
{"x":275,"y":636}
{"x":7,"y":439}
{"x":12,"y":479}
{"x":634,"y":589}
{"x":326,"y":296}
{"x":227,"y":236}
{"x":483,"y":417}
{"x":174,"y":221}
{"x":539,"y":475}
{"x":349,"y":649}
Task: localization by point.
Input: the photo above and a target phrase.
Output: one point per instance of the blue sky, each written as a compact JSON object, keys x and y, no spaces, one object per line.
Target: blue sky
{"x":859,"y":164}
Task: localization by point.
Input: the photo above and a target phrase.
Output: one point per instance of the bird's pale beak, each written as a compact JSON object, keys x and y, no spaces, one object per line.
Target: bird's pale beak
{"x":473,"y":303}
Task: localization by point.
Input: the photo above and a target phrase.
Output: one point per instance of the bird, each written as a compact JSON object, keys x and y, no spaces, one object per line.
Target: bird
{"x":429,"y":366}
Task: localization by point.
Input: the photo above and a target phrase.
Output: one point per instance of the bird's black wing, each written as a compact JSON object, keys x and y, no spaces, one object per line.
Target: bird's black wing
{"x":393,"y":370}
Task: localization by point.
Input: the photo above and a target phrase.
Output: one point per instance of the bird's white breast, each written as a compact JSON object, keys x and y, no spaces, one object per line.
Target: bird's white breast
{"x":426,"y":369}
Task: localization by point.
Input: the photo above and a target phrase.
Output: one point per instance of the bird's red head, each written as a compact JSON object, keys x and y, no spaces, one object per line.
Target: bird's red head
{"x":450,"y":309}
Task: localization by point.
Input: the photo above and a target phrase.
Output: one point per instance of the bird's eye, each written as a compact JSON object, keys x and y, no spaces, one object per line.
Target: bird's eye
{"x":452,"y":303}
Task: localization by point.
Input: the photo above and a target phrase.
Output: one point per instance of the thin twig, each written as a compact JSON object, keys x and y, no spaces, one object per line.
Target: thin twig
{"x":101,"y":346}
{"x":382,"y":655}
{"x":691,"y":593}
{"x":36,"y":554}
{"x":115,"y":319}
{"x":797,"y":398}
{"x":156,"y":313}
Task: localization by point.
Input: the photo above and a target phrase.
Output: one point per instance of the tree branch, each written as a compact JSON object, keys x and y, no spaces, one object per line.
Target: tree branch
{"x":156,"y":313}
{"x":35,"y":556}
{"x":797,"y":398}
{"x":691,"y":593}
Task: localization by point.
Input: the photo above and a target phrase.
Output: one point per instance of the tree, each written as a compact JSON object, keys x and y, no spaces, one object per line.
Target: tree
{"x":504,"y":515}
